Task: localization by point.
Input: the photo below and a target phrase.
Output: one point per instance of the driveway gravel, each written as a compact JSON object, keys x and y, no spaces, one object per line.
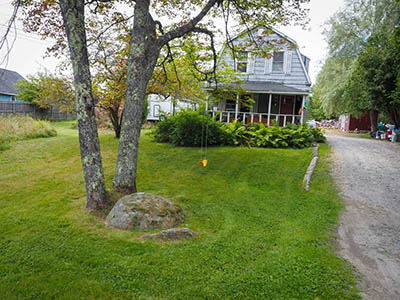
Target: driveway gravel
{"x":367,"y":173}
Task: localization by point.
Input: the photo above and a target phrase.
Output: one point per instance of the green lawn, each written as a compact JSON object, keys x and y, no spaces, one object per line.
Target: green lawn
{"x":260,"y":235}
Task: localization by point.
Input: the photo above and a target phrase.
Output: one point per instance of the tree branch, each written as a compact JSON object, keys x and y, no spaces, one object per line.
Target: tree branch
{"x":182,"y":30}
{"x":108,"y":27}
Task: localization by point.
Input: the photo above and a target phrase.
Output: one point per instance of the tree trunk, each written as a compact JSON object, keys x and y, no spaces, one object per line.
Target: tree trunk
{"x":373,"y":115}
{"x":113,"y":114}
{"x":395,"y":117}
{"x":143,"y":55}
{"x":74,"y":23}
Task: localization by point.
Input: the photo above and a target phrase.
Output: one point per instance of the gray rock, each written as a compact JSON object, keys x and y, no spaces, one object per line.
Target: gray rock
{"x":172,"y":234}
{"x":144,"y":211}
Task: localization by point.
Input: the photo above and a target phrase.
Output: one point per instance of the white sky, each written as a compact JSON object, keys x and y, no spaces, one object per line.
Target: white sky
{"x":27,"y":54}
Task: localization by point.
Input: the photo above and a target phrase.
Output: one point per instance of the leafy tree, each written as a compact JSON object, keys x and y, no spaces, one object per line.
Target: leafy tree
{"x":47,"y":91}
{"x":148,"y":39}
{"x":360,"y":72}
{"x":315,"y":110}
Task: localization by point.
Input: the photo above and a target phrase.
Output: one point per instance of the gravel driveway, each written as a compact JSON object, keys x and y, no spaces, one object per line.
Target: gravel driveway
{"x":367,"y":172}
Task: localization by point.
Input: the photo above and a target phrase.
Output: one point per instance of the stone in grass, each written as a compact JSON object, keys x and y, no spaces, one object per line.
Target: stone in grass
{"x":172,"y":234}
{"x":144,"y":211}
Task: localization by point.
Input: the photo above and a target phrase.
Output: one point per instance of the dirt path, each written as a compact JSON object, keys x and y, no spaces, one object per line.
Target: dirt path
{"x":368,"y":174}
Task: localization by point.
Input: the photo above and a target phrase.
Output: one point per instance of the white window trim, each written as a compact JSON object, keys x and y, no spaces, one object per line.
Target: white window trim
{"x":283,"y":63}
{"x":287,"y":63}
{"x":250,"y":63}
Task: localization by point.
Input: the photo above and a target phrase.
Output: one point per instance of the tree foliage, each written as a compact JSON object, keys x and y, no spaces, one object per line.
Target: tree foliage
{"x":47,"y":91}
{"x":361,"y":71}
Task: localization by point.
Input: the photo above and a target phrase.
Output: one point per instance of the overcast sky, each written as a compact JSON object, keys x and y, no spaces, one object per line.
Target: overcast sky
{"x":27,"y":53}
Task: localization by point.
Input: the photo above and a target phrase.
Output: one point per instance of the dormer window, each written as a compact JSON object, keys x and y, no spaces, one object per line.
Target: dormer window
{"x":277,"y":62}
{"x":241,"y":62}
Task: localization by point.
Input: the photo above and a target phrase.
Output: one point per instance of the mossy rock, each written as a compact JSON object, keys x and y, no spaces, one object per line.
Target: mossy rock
{"x":144,"y":211}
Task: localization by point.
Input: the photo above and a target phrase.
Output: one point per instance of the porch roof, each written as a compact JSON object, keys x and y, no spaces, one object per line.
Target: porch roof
{"x":271,"y":87}
{"x":266,"y":87}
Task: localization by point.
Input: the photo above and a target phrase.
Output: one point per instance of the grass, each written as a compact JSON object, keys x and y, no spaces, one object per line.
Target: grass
{"x":13,"y":128}
{"x":260,"y":235}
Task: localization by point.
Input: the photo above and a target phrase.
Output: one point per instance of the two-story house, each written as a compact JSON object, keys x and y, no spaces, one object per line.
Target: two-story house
{"x":278,"y":82}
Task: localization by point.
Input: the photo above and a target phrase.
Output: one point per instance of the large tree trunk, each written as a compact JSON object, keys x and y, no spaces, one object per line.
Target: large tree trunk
{"x":373,"y":116}
{"x":74,"y":23}
{"x":143,"y":55}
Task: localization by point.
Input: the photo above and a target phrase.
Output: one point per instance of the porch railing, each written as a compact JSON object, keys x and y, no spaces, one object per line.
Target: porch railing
{"x":248,"y":117}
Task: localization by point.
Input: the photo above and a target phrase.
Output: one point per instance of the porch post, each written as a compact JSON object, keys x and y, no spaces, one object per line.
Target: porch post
{"x":237,"y":106}
{"x":207,"y":103}
{"x":294,"y":109}
{"x":302,"y":109}
{"x":269,"y":108}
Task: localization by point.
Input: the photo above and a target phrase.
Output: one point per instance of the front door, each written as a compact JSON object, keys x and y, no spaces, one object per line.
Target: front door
{"x":287,"y":105}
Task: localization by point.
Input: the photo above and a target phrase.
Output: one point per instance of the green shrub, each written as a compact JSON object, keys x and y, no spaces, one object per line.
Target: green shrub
{"x":15,"y":128}
{"x":188,"y":127}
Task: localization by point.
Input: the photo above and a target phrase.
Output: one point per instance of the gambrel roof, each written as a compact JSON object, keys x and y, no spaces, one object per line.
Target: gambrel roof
{"x":295,"y":75}
{"x":8,"y":79}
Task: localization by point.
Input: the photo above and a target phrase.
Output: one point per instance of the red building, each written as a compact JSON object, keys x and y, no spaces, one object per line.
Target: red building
{"x":349,"y":122}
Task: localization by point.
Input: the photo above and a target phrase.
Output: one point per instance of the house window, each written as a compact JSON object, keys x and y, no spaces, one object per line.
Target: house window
{"x":241,"y":62}
{"x":12,"y":98}
{"x":277,"y":63}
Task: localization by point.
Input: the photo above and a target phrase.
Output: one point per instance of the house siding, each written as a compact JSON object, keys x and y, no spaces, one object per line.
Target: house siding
{"x":296,"y":78}
{"x":4,"y":97}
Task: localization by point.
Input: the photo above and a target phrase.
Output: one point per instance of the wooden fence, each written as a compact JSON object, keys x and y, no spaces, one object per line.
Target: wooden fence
{"x":16,"y":108}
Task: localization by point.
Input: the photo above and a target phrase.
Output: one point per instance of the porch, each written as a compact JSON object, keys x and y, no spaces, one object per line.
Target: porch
{"x":266,"y":108}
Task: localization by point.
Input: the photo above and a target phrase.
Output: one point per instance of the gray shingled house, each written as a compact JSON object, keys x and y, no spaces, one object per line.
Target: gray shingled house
{"x":279,"y":84}
{"x":8,"y":79}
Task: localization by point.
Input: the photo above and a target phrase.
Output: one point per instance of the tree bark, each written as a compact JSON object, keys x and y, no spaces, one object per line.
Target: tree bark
{"x":74,"y":22}
{"x":143,"y":55}
{"x":373,"y":116}
{"x":113,"y":114}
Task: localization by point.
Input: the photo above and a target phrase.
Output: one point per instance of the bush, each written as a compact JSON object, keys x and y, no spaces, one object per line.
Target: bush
{"x":15,"y":128}
{"x":187,"y":128}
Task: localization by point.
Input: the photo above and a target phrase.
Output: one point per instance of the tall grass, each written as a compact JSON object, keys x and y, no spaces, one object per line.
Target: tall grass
{"x":14,"y":128}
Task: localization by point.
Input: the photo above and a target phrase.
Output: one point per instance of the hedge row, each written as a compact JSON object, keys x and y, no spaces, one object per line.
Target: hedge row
{"x":191,"y":128}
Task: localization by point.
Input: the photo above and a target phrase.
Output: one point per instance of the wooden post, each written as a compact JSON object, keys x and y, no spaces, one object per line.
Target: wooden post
{"x":269,"y":109}
{"x":294,"y":109}
{"x":302,"y":110}
{"x":237,"y":106}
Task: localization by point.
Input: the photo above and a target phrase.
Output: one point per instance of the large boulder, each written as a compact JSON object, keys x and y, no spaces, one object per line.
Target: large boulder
{"x":144,"y":211}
